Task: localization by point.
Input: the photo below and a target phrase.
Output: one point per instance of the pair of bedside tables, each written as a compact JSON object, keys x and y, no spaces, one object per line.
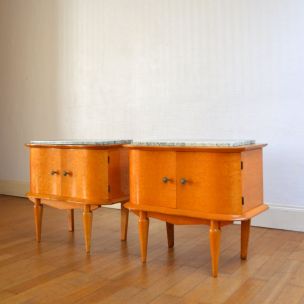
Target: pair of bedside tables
{"x":182,"y":183}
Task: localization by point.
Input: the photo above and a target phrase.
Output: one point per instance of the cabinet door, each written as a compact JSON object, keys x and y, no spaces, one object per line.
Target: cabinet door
{"x":86,"y":174}
{"x":45,"y":171}
{"x":148,"y":173}
{"x":209,"y":182}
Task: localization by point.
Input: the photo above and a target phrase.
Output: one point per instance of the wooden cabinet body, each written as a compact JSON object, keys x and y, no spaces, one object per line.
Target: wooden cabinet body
{"x":82,"y":176}
{"x":196,"y":184}
{"x":216,"y":184}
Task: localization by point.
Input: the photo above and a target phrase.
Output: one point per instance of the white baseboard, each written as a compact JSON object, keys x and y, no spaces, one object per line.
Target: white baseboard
{"x":14,"y":188}
{"x":277,"y":217}
{"x":281,"y":217}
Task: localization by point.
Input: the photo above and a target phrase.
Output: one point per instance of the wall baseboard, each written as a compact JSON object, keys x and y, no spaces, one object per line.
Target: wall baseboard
{"x":277,"y":217}
{"x":14,"y":188}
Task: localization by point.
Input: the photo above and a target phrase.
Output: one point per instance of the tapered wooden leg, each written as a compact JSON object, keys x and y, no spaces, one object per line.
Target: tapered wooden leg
{"x":215,"y":239}
{"x":245,"y":231}
{"x":87,"y":226}
{"x":124,"y":215}
{"x":143,"y":224}
{"x":71,"y":220}
{"x":170,"y":234}
{"x":38,"y":211}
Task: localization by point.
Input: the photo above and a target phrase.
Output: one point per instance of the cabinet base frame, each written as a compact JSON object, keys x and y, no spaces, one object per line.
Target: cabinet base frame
{"x":171,"y":220}
{"x":87,"y":217}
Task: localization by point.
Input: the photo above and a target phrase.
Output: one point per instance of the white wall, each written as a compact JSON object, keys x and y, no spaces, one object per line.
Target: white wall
{"x":156,"y":69}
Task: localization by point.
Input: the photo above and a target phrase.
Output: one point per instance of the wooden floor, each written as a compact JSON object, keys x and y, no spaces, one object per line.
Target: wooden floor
{"x":58,"y":271}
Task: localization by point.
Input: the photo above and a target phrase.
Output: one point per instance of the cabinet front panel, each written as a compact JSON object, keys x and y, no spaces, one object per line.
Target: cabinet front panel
{"x":209,"y":182}
{"x":152,"y":178}
{"x":45,"y":171}
{"x":86,"y":174}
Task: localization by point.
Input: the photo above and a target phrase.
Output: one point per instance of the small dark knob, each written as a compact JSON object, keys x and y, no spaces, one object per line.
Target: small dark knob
{"x":54,"y":172}
{"x":166,"y":179}
{"x":66,"y":173}
{"x":183,"y":181}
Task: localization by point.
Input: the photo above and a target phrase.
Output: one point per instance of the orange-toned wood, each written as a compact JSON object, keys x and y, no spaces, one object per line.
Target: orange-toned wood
{"x":252,"y":178}
{"x":273,"y":274}
{"x":87,"y":227}
{"x":77,"y":201}
{"x":215,"y":238}
{"x":208,"y":185}
{"x":199,"y":214}
{"x":147,"y":172}
{"x":38,"y":212}
{"x":124,"y":222}
{"x":83,"y":176}
{"x":45,"y":171}
{"x":143,"y":225}
{"x":180,"y":220}
{"x":71,"y":220}
{"x":170,"y":234}
{"x":65,"y":205}
{"x":245,"y":231}
{"x":118,"y":160}
{"x":86,"y":174}
{"x":212,"y":182}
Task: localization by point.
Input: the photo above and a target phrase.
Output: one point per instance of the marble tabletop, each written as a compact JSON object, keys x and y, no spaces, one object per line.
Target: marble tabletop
{"x":101,"y":142}
{"x":195,"y":143}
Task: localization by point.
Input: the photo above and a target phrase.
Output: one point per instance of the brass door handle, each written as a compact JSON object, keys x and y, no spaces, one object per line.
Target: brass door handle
{"x":54,"y":172}
{"x":166,"y":179}
{"x":183,"y":181}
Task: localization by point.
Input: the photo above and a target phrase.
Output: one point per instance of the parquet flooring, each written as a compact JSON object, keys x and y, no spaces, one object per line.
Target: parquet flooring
{"x":58,"y":271}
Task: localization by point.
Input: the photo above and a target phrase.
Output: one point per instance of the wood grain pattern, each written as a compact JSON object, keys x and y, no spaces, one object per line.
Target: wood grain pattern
{"x":72,"y":177}
{"x":56,"y":271}
{"x":213,"y":182}
{"x":252,"y":179}
{"x":147,"y":170}
{"x":88,"y":178}
{"x":197,"y":185}
{"x":118,"y":172}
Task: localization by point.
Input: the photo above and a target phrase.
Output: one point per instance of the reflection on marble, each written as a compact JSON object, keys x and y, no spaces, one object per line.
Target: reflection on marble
{"x":101,"y":142}
{"x":195,"y":143}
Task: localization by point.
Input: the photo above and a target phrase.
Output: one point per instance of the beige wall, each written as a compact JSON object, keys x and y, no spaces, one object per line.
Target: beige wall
{"x":156,"y":69}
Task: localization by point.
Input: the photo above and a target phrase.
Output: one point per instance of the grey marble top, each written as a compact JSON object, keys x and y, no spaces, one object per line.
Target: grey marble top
{"x":101,"y":142}
{"x":196,"y":143}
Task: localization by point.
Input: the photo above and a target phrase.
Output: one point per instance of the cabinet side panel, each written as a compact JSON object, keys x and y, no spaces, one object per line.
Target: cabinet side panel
{"x":42,"y":162}
{"x":118,"y":173}
{"x":252,"y":179}
{"x":147,"y":170}
{"x":213,"y":182}
{"x":88,"y":174}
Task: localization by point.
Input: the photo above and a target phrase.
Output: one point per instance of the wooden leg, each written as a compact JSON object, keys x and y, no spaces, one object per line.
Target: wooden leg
{"x":124,"y":215}
{"x":38,"y":211}
{"x":143,"y":224}
{"x":170,"y":234}
{"x":71,"y":219}
{"x":245,"y":231}
{"x":87,"y":226}
{"x":215,"y":239}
